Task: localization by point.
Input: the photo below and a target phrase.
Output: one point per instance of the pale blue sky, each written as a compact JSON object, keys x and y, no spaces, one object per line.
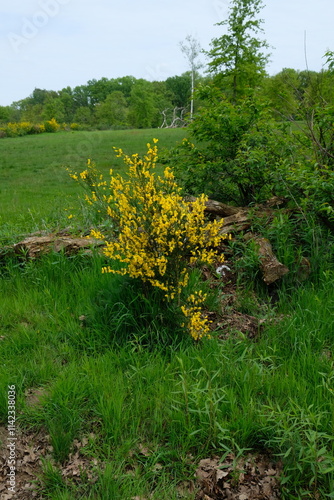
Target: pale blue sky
{"x":55,"y":43}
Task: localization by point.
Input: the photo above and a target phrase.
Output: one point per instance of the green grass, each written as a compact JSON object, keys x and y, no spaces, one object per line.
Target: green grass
{"x":35,"y":187}
{"x":117,"y":374}
{"x":160,"y":390}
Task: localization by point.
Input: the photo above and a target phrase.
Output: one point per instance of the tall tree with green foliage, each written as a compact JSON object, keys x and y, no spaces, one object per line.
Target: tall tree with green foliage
{"x":54,"y":108}
{"x":237,"y":148}
{"x":238,"y":56}
{"x":4,"y":113}
{"x":284,"y":93}
{"x":142,"y":109}
{"x":180,"y":88}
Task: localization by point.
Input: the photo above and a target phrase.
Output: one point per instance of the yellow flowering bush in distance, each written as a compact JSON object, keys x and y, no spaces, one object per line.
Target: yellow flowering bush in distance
{"x":20,"y":129}
{"x":157,"y":233}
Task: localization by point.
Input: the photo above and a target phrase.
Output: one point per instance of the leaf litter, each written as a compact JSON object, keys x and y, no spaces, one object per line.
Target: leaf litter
{"x":254,"y":477}
{"x":31,"y":449}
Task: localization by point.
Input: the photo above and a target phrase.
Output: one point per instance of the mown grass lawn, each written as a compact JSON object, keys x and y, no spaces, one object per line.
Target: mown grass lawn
{"x":116,"y":400}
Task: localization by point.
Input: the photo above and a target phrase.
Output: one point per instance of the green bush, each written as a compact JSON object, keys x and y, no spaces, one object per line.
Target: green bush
{"x":237,"y":153}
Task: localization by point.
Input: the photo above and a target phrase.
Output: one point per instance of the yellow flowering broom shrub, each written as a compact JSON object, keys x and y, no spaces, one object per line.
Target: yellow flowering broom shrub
{"x":157,"y":233}
{"x":20,"y":129}
{"x":51,"y":126}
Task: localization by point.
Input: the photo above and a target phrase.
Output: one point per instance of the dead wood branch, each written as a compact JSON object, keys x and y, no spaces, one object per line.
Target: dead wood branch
{"x":236,"y":219}
{"x":176,"y":120}
{"x":34,"y":246}
{"x":272,"y":269}
{"x":216,"y":207}
{"x":239,"y":219}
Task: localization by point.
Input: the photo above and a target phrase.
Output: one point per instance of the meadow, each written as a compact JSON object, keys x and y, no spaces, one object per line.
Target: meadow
{"x":113,"y":401}
{"x":33,"y":171}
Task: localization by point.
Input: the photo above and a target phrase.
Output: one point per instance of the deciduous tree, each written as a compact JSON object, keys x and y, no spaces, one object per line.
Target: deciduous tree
{"x":113,"y":111}
{"x":143,"y":108}
{"x":239,"y":55}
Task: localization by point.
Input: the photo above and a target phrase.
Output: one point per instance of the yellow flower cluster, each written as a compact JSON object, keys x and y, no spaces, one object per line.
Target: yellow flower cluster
{"x":196,"y":322}
{"x":96,"y":187}
{"x":51,"y":125}
{"x":28,"y":128}
{"x":158,"y":233}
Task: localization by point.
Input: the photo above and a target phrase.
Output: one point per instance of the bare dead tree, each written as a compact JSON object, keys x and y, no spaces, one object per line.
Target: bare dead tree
{"x":174,"y":119}
{"x":191,"y":48}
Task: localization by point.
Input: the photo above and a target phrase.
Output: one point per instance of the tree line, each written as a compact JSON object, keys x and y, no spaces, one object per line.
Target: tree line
{"x":236,"y":65}
{"x":125,"y":102}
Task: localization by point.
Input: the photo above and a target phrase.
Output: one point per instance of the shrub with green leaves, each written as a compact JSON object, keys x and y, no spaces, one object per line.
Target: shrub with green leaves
{"x":237,"y":150}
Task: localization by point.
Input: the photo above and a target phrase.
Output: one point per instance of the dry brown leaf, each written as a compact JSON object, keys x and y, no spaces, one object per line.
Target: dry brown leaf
{"x":221,"y":474}
{"x":143,"y":450}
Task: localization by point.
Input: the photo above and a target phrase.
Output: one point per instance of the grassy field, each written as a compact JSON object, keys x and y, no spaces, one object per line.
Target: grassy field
{"x":113,"y":401}
{"x":35,"y":187}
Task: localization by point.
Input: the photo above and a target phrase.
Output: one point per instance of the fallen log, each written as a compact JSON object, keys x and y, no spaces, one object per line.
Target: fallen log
{"x":272,"y":269}
{"x":216,"y":207}
{"x":223,"y":210}
{"x":34,"y":246}
{"x":237,"y":222}
{"x":238,"y":219}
